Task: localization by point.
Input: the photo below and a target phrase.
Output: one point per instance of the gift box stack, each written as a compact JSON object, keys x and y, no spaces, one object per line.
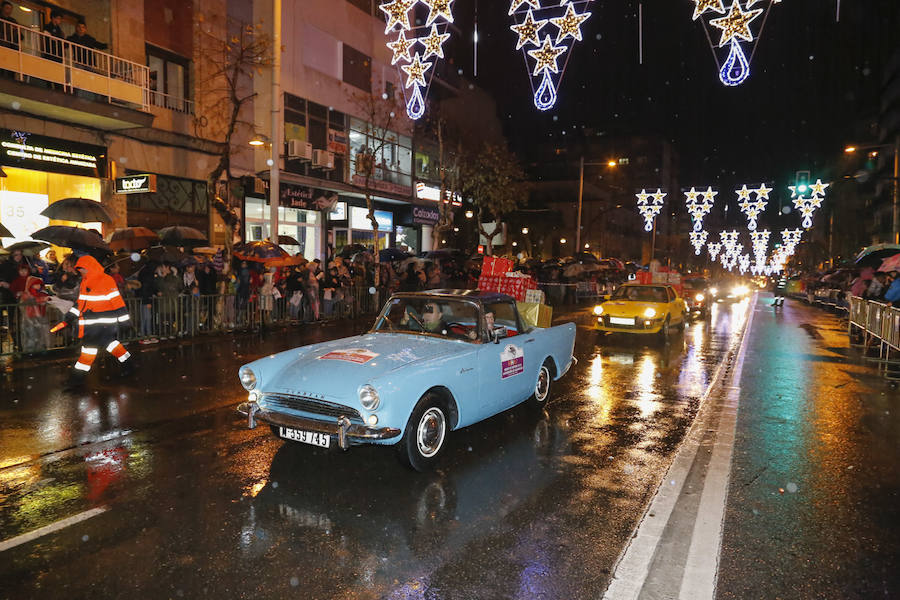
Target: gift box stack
{"x":496,"y":276}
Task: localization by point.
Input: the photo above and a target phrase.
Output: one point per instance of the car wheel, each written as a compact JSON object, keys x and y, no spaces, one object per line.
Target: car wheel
{"x":664,"y":330}
{"x":683,"y":322}
{"x":425,"y":434}
{"x":542,"y":386}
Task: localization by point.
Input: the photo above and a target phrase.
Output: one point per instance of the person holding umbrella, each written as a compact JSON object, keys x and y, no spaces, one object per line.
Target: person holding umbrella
{"x":98,"y":312}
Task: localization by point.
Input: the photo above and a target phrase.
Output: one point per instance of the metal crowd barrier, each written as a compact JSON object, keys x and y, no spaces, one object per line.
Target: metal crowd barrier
{"x":25,"y":329}
{"x":874,"y":323}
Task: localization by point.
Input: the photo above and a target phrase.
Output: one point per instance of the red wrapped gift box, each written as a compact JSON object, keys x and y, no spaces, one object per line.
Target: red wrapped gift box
{"x":496,"y":265}
{"x":514,"y":286}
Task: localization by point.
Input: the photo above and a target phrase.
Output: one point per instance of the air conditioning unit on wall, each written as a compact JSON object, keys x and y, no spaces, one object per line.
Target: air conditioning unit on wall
{"x":323,"y":159}
{"x":298,"y":149}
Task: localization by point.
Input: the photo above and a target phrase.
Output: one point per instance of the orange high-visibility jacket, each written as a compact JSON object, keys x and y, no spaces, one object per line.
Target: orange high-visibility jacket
{"x":99,"y":302}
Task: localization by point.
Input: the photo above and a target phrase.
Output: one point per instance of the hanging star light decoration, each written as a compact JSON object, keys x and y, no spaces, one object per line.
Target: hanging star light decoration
{"x":528,"y":30}
{"x":438,"y":9}
{"x":529,"y":18}
{"x":752,"y":208}
{"x":431,"y":35}
{"x":397,"y":13}
{"x":434,"y":43}
{"x":401,"y":48}
{"x":650,"y":205}
{"x":744,"y":261}
{"x":699,"y":204}
{"x":698,"y":239}
{"x":736,"y":27}
{"x":570,"y":24}
{"x":807,"y":205}
{"x":702,"y":6}
{"x":713,"y":248}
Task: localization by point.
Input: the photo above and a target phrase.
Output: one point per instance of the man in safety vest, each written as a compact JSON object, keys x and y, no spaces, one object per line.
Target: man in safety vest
{"x":99,"y":311}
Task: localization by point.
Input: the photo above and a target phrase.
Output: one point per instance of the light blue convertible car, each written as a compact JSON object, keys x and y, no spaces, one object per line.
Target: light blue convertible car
{"x":434,"y":362}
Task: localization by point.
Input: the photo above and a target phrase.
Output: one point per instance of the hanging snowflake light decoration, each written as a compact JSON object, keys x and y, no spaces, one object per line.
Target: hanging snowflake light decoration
{"x":565,"y":18}
{"x":650,"y":205}
{"x":808,"y":206}
{"x":430,"y":36}
{"x":735,"y":27}
{"x":698,"y":239}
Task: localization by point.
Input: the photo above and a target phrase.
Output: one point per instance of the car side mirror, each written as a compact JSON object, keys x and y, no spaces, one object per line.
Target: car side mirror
{"x":499,"y":331}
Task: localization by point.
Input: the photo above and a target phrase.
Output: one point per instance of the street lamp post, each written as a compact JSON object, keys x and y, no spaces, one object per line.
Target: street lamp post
{"x":277,"y":145}
{"x":611,"y":164}
{"x":895,"y":198}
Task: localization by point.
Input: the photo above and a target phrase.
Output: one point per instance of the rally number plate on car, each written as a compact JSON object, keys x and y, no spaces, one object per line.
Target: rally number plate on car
{"x":307,"y":437}
{"x":620,"y":321}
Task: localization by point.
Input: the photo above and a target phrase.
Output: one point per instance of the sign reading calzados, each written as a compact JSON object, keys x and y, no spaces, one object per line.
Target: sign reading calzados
{"x":136,"y":184}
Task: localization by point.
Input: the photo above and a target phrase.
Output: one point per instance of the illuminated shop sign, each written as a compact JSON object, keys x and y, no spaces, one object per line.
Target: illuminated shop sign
{"x":136,"y":184}
{"x":425,"y":215}
{"x":429,"y":192}
{"x":40,"y":153}
{"x":359,"y":219}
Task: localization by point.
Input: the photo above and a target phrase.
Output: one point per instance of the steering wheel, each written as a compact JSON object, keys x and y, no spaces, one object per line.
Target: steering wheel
{"x":458,"y":328}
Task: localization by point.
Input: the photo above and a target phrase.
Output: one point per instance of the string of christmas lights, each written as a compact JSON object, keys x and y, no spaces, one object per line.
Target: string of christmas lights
{"x":430,"y":36}
{"x":530,"y":18}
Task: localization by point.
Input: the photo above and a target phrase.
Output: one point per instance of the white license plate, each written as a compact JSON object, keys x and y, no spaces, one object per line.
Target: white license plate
{"x":620,"y":321}
{"x":307,"y":437}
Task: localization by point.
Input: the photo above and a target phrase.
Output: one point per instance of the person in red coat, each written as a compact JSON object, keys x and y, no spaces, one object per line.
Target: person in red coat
{"x":99,"y":311}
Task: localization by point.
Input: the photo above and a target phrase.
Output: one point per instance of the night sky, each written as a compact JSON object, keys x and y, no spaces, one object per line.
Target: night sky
{"x":814,"y":83}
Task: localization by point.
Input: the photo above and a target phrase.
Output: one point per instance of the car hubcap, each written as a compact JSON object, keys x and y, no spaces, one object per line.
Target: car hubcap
{"x":430,"y":434}
{"x":543,"y":385}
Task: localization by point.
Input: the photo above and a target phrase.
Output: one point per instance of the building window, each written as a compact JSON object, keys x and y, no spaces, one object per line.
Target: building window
{"x":357,"y":69}
{"x":392,"y":163}
{"x":325,"y":129}
{"x":169,"y":84}
{"x":302,"y":225}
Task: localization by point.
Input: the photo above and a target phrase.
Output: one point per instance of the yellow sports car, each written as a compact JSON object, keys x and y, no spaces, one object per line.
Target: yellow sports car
{"x":642,"y":308}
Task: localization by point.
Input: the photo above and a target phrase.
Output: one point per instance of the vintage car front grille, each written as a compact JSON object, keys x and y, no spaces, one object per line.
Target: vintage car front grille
{"x":311,"y":405}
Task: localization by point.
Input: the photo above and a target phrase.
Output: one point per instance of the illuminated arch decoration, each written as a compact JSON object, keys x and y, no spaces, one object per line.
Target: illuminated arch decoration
{"x":547,"y":31}
{"x":414,"y":45}
{"x":650,"y":205}
{"x":734,"y":25}
{"x":807,"y":206}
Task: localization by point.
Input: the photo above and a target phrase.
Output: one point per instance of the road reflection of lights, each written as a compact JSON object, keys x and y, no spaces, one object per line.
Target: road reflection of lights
{"x":597,"y":392}
{"x":26,"y":473}
{"x":646,"y":396}
{"x":256,"y":488}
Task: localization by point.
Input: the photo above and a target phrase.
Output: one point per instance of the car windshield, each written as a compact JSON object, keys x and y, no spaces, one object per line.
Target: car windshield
{"x":640,"y":293}
{"x":430,"y":315}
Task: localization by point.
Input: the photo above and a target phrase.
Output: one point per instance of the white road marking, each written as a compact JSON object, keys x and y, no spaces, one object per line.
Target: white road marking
{"x":631,"y":572}
{"x":47,"y":529}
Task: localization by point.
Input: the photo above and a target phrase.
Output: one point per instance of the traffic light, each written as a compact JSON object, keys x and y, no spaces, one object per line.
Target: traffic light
{"x":801,"y":181}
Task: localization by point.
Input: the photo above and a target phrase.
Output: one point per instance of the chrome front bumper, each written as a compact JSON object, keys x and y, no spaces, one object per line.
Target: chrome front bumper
{"x":345,"y":431}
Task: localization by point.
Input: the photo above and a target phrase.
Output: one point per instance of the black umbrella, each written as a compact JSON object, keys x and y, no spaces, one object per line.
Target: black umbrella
{"x":72,"y":237}
{"x":4,"y":232}
{"x":184,"y":237}
{"x":873,"y":255}
{"x":132,"y":238}
{"x":286,"y":240}
{"x":80,"y":210}
{"x":391,"y":254}
{"x":351,"y":249}
{"x":27,"y":247}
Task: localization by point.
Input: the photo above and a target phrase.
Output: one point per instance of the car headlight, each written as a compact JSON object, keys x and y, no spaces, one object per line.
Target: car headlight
{"x":713,"y":291}
{"x":598,"y":310}
{"x":650,"y":313}
{"x":368,"y":397}
{"x":247,"y":377}
{"x":699,"y":297}
{"x":740,"y":290}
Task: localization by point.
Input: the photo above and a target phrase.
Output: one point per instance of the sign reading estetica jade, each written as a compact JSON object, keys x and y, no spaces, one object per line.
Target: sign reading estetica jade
{"x":26,"y":150}
{"x":136,"y":184}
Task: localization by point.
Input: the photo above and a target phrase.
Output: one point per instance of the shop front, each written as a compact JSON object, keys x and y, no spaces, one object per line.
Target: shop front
{"x":301,"y":212}
{"x":351,"y":225}
{"x":41,"y":170}
{"x":172,"y":201}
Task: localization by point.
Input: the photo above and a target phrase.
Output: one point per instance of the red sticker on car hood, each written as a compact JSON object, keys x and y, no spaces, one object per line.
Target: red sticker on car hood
{"x":354,"y":355}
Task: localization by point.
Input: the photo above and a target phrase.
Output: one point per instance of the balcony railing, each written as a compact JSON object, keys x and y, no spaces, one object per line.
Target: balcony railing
{"x":34,"y":55}
{"x":171,"y":102}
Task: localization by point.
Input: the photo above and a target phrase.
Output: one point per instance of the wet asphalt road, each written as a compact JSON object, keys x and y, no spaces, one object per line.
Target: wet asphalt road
{"x":194,"y":505}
